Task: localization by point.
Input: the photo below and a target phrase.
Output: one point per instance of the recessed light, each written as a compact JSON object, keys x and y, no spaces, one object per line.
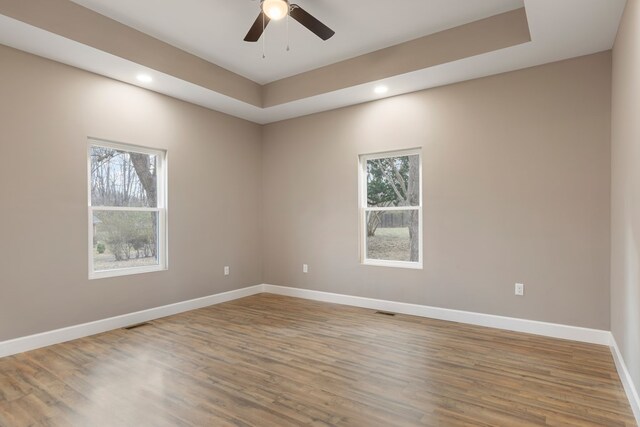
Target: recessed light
{"x":381,"y":89}
{"x":144,"y":78}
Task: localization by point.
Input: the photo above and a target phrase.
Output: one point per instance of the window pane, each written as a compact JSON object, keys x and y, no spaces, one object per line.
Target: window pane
{"x":124,"y":239}
{"x":393,"y":236}
{"x":393,"y":181}
{"x":121,"y":178}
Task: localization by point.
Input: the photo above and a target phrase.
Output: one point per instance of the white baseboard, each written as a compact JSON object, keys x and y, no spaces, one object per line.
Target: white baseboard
{"x":627,"y":381}
{"x":575,"y":333}
{"x":32,"y":342}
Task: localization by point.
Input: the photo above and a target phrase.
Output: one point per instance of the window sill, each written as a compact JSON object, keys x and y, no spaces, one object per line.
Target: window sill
{"x":393,"y":264}
{"x":126,"y":272}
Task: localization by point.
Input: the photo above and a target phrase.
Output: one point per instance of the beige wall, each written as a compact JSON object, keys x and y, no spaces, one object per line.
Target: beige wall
{"x":625,"y":194}
{"x":47,"y":110}
{"x":516,"y":189}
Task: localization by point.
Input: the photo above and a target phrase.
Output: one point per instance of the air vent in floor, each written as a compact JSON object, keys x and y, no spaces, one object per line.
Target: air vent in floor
{"x":137,"y":325}
{"x":386,"y":313}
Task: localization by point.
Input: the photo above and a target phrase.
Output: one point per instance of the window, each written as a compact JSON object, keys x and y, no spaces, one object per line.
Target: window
{"x":127,"y":209}
{"x":391,"y":209}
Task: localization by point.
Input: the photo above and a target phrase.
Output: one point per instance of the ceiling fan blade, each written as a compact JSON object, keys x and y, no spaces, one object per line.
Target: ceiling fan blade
{"x":315,"y":26}
{"x":257,"y":28}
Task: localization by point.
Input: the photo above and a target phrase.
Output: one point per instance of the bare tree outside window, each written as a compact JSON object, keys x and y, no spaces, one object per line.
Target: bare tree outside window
{"x":391,"y":215}
{"x":126,"y":214}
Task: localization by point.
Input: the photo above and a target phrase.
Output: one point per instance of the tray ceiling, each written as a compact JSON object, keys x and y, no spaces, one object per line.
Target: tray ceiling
{"x":193,"y":49}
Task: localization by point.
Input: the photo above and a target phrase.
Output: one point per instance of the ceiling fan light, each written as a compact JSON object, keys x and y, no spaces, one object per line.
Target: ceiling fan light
{"x":275,"y":9}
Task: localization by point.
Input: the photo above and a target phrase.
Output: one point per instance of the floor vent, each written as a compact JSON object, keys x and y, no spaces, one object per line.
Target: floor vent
{"x":137,"y":325}
{"x":386,"y":313}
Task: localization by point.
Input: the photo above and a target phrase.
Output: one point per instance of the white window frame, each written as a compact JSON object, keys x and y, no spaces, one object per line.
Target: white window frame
{"x":364,"y":208}
{"x":161,"y":208}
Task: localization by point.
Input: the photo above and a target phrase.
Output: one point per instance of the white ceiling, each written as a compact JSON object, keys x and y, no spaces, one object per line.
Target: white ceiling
{"x":214,"y":29}
{"x":560,"y":29}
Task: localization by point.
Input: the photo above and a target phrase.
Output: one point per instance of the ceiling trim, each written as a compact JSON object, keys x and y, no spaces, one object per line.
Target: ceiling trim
{"x":83,"y":25}
{"x":478,"y":37}
{"x":77,"y":23}
{"x":558,"y":30}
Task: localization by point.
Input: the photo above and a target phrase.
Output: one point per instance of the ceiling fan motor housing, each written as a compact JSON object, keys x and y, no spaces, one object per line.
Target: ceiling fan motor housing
{"x":278,"y":9}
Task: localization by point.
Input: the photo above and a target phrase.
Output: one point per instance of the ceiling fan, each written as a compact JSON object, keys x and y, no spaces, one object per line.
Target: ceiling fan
{"x":274,"y":10}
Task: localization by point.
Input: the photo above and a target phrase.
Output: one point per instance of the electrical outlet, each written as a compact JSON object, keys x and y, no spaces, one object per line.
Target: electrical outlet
{"x":226,"y":270}
{"x":305,"y":268}
{"x":520,"y":289}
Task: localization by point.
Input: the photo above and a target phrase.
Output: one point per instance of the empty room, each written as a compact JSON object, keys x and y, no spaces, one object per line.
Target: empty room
{"x":319,"y":213}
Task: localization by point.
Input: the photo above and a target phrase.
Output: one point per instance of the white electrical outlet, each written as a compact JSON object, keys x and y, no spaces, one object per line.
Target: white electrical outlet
{"x":226,"y":270}
{"x":305,"y":268}
{"x":520,"y":289}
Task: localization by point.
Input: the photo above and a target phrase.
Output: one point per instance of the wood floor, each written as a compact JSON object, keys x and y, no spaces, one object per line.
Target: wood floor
{"x":268,"y":360}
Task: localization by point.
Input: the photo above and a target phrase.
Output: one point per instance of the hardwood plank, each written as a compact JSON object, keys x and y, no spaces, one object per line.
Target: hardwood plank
{"x":272,"y":360}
